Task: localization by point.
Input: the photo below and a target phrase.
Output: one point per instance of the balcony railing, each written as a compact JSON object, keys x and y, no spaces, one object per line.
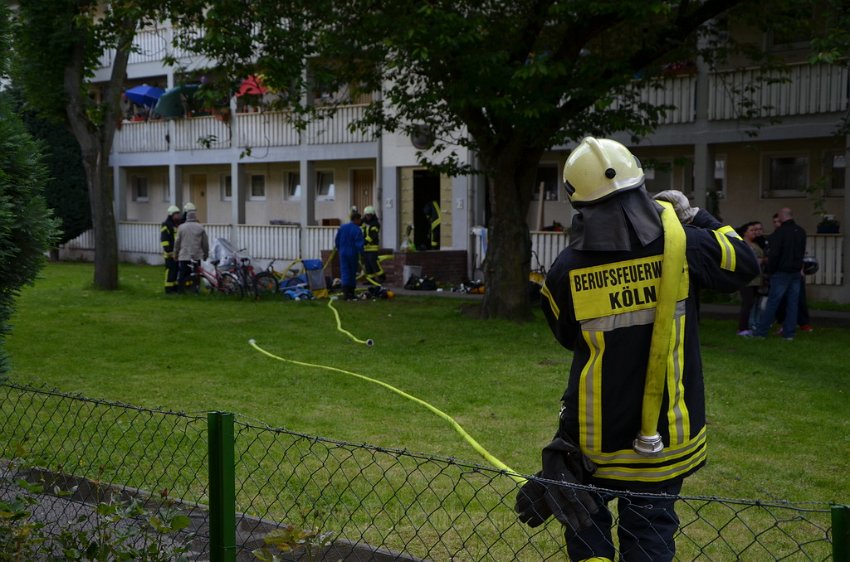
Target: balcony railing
{"x":272,"y":242}
{"x":267,"y":129}
{"x":801,"y":89}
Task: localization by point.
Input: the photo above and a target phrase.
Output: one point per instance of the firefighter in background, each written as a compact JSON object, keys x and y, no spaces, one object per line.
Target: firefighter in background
{"x":432,"y":213}
{"x":623,"y":298}
{"x":371,"y":228}
{"x":188,"y":206}
{"x":167,"y":234}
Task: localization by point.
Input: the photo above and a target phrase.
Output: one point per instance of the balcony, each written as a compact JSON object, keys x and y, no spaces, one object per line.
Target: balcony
{"x":802,"y":89}
{"x":269,"y":129}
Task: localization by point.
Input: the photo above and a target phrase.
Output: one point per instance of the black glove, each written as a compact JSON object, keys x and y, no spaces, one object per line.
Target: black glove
{"x":531,"y":504}
{"x":564,"y":462}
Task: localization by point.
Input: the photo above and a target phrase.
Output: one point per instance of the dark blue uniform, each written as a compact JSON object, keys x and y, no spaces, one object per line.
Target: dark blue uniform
{"x":601,"y":305}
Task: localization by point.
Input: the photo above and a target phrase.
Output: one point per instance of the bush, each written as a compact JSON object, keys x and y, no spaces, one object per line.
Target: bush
{"x":27,"y":229}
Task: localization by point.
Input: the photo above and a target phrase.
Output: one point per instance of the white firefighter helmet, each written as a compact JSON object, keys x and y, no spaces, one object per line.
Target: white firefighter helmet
{"x":370,"y":210}
{"x":599,"y":168}
{"x":173,"y":209}
{"x":189,"y":206}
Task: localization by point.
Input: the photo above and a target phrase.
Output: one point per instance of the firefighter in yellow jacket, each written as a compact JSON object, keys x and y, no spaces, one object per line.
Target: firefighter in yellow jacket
{"x":167,"y":234}
{"x":623,"y":298}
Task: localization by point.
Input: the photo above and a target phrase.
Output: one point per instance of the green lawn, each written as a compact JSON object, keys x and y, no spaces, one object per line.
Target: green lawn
{"x":778,"y":414}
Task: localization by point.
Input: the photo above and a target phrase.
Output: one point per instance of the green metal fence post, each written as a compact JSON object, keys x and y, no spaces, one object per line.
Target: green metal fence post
{"x":222,"y":487}
{"x":841,"y":533}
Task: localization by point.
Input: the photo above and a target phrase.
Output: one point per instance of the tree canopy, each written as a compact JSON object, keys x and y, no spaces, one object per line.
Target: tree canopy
{"x":58,"y":46}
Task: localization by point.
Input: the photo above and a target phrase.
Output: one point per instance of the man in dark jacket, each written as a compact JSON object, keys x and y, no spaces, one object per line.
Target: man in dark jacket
{"x":785,"y":250}
{"x":167,"y":234}
{"x":623,"y":297}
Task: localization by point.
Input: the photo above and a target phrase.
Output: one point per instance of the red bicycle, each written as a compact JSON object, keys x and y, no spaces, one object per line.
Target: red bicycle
{"x":206,"y":281}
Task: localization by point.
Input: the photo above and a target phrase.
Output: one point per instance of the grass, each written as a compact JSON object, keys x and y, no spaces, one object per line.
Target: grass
{"x":777,"y":411}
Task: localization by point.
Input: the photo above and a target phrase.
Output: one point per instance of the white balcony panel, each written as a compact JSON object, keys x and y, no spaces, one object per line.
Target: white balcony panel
{"x":803,"y":89}
{"x":677,"y":91}
{"x":317,"y":239}
{"x":335,"y":130}
{"x":197,"y":133}
{"x":266,"y":129}
{"x":139,"y":237}
{"x":547,"y":246}
{"x":142,"y":136}
{"x":271,"y":242}
{"x":828,"y":249}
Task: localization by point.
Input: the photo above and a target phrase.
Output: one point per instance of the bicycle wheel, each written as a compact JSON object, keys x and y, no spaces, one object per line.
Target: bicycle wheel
{"x":205,"y":286}
{"x":265,"y":284}
{"x":229,"y":284}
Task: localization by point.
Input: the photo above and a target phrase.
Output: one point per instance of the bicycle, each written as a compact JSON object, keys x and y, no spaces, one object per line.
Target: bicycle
{"x":259,"y":284}
{"x":206,"y":282}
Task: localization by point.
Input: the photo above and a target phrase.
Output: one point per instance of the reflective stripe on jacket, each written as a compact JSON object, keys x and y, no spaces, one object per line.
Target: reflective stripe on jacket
{"x":371,"y":235}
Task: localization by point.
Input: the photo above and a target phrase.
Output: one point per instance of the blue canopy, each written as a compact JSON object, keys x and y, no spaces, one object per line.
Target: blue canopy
{"x":144,"y":94}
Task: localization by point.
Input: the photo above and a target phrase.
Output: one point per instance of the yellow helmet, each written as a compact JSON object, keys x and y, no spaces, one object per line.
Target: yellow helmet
{"x":600,"y":168}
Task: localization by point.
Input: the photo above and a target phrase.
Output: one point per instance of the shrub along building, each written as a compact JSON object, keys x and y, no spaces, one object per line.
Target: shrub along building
{"x":280,"y":192}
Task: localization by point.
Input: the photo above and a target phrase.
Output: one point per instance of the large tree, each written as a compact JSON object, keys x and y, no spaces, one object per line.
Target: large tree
{"x":58,"y":46}
{"x":507,"y":80}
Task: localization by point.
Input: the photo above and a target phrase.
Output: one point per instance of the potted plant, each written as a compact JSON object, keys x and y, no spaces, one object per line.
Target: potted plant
{"x":828,"y":225}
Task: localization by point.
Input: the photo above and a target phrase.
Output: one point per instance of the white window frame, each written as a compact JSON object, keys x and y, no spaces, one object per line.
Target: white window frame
{"x":328,"y":192}
{"x":766,"y":189}
{"x":834,"y":160}
{"x":251,"y":195}
{"x":548,"y":195}
{"x":293,"y":186}
{"x":720,"y":167}
{"x":225,"y":184}
{"x":137,"y":183}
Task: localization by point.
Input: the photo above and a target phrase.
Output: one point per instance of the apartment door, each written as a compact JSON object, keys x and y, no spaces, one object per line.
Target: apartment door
{"x":198,"y":188}
{"x":362,"y":188}
{"x":426,"y":189}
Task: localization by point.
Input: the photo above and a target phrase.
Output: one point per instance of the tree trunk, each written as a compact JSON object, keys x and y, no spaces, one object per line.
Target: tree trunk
{"x":95,"y":131}
{"x":508,"y":260}
{"x":103,"y":219}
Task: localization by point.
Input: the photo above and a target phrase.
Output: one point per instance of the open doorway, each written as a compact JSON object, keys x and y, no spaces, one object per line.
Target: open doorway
{"x":426,"y":190}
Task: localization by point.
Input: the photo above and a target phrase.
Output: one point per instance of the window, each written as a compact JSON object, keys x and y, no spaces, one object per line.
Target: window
{"x":293,"y":186}
{"x":226,"y":182}
{"x":720,"y":175}
{"x":658,"y":174}
{"x":258,"y":187}
{"x":785,"y":176}
{"x":547,"y":174}
{"x":835,"y":166}
{"x":325,"y":185}
{"x":140,"y":189}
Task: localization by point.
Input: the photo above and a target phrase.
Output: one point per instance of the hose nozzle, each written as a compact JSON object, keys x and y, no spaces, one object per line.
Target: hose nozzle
{"x":648,"y":445}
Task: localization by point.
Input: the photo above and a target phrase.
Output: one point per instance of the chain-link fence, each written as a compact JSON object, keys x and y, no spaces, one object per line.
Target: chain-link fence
{"x":374,"y":503}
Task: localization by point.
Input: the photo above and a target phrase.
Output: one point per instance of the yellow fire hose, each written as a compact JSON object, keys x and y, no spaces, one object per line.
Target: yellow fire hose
{"x":649,"y":441}
{"x":456,"y":426}
{"x":368,"y":343}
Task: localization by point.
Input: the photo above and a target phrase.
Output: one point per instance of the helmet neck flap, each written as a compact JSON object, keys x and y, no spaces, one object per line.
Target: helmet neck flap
{"x":628,"y":220}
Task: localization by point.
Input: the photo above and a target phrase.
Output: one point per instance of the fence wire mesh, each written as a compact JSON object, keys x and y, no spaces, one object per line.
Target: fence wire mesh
{"x":378,"y":503}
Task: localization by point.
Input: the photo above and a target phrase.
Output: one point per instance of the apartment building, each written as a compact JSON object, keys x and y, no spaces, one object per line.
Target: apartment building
{"x":280,"y":192}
